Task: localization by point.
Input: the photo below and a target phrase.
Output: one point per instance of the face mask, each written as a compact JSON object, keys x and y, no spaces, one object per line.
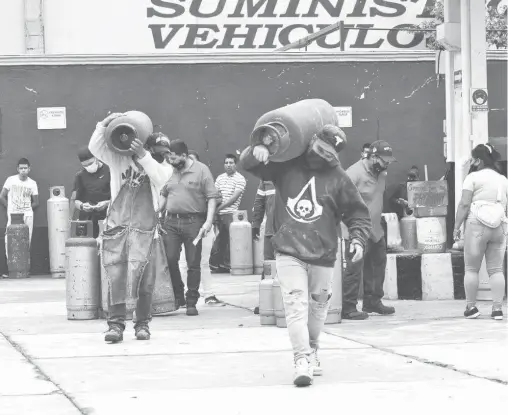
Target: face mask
{"x":92,"y":168}
{"x":180,"y":165}
{"x":159,"y":158}
{"x":378,"y":167}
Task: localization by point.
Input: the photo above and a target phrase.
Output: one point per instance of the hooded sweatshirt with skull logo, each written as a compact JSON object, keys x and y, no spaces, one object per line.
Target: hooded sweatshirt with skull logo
{"x":313,"y":195}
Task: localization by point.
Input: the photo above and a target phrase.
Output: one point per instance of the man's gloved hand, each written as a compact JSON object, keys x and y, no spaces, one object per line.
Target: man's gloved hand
{"x":255,"y":234}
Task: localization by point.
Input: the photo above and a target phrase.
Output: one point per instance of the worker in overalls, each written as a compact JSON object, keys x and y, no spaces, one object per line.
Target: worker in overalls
{"x":127,"y":243}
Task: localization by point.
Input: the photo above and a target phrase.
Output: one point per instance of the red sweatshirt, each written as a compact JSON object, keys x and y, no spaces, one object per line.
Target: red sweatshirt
{"x":310,"y":205}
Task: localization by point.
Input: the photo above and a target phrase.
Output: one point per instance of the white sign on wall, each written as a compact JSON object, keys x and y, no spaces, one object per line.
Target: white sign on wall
{"x":51,"y":118}
{"x":479,"y":99}
{"x":183,"y":26}
{"x":345,"y":115}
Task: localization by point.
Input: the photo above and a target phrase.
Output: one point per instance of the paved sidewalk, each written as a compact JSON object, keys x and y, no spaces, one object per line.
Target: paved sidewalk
{"x":426,"y":358}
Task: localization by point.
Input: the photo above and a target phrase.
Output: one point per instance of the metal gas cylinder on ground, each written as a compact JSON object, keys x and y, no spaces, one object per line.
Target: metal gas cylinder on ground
{"x":408,"y":233}
{"x":58,"y":229}
{"x":240,"y":244}
{"x":335,"y":310}
{"x":266,"y":307}
{"x":18,"y":247}
{"x":82,"y":277}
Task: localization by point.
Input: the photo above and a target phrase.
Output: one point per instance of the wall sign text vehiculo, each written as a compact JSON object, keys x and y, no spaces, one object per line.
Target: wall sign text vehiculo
{"x":264,"y":25}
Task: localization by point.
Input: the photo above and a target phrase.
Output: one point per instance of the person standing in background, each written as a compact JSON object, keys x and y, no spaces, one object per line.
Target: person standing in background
{"x":92,"y":189}
{"x":206,"y":275}
{"x":20,"y":194}
{"x":231,"y":186}
{"x":365,"y":151}
{"x":369,"y":176}
{"x":189,"y":200}
{"x":399,"y":200}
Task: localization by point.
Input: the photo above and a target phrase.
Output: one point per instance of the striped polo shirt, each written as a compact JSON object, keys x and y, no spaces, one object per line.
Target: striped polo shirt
{"x":227,"y":185}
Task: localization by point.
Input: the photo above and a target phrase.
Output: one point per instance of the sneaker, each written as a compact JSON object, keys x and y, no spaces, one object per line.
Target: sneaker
{"x":355,"y":315}
{"x":214,"y":302}
{"x":180,"y":302}
{"x":142,"y":332}
{"x":472,"y":313}
{"x":497,"y":314}
{"x":317,"y":370}
{"x":114,"y":334}
{"x":303,"y":372}
{"x":192,"y":311}
{"x":378,"y":308}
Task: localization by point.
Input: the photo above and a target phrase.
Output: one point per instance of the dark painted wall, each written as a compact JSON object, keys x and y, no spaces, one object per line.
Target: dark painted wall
{"x":214,"y":107}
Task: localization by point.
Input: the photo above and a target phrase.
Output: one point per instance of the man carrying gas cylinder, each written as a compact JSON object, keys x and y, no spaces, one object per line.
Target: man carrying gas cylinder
{"x":131,"y":225}
{"x":313,"y":195}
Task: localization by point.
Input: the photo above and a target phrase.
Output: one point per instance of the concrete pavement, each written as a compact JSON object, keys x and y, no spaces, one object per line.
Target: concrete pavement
{"x":425,"y":358}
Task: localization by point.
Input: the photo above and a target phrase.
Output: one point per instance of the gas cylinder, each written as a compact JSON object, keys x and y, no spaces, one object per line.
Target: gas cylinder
{"x":431,"y":234}
{"x":408,"y":233}
{"x":122,"y":131}
{"x":258,"y":251}
{"x":278,"y":304}
{"x":82,"y":279}
{"x":103,"y":306}
{"x":394,"y":240}
{"x":266,"y":311}
{"x":292,"y":127}
{"x":18,"y":247}
{"x":58,"y":229}
{"x":240,"y":244}
{"x":335,"y":310}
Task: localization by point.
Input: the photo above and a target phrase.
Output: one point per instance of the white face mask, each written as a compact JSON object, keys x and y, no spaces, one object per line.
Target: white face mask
{"x":92,"y":168}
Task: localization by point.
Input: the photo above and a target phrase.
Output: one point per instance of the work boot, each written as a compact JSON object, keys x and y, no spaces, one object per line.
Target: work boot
{"x":315,"y":364}
{"x":355,"y":315}
{"x":114,"y":334}
{"x":192,"y":310}
{"x":303,"y":372}
{"x":378,"y":308}
{"x":142,"y":332}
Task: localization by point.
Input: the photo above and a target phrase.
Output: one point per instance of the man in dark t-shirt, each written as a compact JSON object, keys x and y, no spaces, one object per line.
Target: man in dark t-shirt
{"x":92,"y":187}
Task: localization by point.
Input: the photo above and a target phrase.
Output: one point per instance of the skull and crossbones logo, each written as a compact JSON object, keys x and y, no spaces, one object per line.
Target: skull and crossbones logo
{"x":304,"y":208}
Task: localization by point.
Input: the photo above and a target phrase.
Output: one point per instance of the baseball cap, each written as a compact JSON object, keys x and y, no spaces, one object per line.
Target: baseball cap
{"x":158,"y":142}
{"x":383,"y":150}
{"x":85,"y":154}
{"x":333,"y":135}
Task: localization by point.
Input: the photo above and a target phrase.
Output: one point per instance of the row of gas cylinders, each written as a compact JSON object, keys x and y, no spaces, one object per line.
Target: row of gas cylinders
{"x":425,"y":235}
{"x":271,"y":305}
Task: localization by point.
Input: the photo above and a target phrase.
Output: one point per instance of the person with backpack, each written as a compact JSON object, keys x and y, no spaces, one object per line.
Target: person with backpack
{"x":482,"y":210}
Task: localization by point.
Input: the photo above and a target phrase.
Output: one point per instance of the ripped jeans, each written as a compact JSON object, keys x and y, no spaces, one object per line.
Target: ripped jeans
{"x":306,"y":292}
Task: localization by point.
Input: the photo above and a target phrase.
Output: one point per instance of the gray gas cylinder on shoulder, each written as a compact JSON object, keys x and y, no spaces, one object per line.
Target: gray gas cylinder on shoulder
{"x":287,"y":131}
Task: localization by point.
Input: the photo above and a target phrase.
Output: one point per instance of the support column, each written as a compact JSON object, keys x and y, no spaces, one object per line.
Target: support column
{"x":478,"y":43}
